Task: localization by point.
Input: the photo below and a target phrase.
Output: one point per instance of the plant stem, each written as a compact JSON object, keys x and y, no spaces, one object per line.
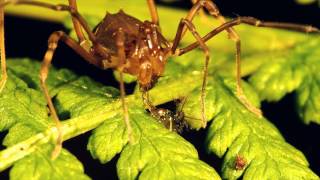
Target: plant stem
{"x":79,"y":125}
{"x":70,"y":129}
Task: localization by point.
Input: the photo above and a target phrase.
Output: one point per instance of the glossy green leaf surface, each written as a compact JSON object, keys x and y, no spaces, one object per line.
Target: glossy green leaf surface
{"x":278,"y":61}
{"x":237,"y":132}
{"x":24,"y":114}
{"x":293,"y":70}
{"x":40,"y":166}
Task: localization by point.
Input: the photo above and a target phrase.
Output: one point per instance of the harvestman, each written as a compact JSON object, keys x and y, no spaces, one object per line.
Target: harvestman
{"x":128,"y":45}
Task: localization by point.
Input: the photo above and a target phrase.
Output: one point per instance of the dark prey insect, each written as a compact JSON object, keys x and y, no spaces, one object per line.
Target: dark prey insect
{"x":128,"y":45}
{"x":172,"y":120}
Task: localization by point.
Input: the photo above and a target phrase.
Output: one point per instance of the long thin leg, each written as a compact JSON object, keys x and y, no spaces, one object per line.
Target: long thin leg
{"x":253,"y":22}
{"x":3,"y":52}
{"x":77,"y":18}
{"x":153,"y":12}
{"x":78,"y":27}
{"x":60,"y":7}
{"x":202,"y":13}
{"x":147,"y":102}
{"x":52,"y":45}
{"x":154,"y":111}
{"x":204,"y":47}
{"x":76,"y":23}
{"x":214,"y":11}
{"x":122,"y":60}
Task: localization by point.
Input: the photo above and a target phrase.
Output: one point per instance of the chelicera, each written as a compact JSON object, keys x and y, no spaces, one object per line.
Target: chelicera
{"x":128,"y":45}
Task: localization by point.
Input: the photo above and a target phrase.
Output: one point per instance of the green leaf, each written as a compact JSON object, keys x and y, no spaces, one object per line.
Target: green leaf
{"x":158,"y":153}
{"x":174,"y":154}
{"x":19,"y":132}
{"x":24,"y":114}
{"x":127,"y":78}
{"x":9,"y":108}
{"x":40,"y":166}
{"x":22,"y":105}
{"x":308,"y":101}
{"x":108,"y":140}
{"x":192,"y":107}
{"x":111,"y":137}
{"x":294,"y":69}
{"x":83,"y":96}
{"x":236,"y":132}
{"x":28,"y":71}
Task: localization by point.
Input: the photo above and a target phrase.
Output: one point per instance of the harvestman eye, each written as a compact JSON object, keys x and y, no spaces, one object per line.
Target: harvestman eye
{"x":129,"y":44}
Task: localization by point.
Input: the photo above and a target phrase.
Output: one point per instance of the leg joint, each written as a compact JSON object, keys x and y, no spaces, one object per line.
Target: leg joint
{"x":73,"y":10}
{"x":211,"y":7}
{"x":189,"y":24}
{"x":54,"y":38}
{"x":60,"y":7}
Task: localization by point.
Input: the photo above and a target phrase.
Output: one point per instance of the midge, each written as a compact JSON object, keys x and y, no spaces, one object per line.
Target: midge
{"x":128,"y":45}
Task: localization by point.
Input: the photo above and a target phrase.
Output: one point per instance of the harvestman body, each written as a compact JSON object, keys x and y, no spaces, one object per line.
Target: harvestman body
{"x":126,"y":44}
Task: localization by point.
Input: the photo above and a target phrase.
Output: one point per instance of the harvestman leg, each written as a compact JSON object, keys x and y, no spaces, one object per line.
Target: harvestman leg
{"x":153,"y":12}
{"x":202,"y":13}
{"x":187,"y":23}
{"x":54,"y":38}
{"x":240,"y":20}
{"x":3,"y":52}
{"x":253,"y":22}
{"x":122,"y":61}
{"x":76,"y":23}
{"x":52,"y":45}
{"x":214,"y":11}
{"x":81,"y":49}
{"x":228,"y":26}
{"x":79,"y":21}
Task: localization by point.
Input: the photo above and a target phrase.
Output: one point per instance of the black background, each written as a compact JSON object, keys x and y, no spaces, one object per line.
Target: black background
{"x":28,"y":38}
